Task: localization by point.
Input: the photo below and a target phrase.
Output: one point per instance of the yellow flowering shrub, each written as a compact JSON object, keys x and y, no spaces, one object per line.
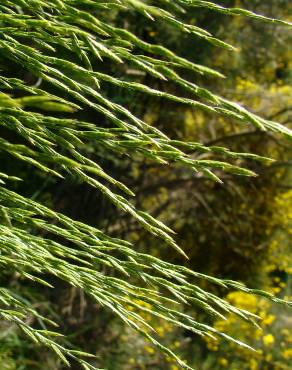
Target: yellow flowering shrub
{"x":273,"y":346}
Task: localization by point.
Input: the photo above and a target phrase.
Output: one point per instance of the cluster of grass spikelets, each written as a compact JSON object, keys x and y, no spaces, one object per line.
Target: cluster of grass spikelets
{"x":33,"y":35}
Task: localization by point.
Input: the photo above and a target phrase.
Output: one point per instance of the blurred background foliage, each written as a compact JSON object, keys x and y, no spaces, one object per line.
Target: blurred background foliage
{"x":241,"y":230}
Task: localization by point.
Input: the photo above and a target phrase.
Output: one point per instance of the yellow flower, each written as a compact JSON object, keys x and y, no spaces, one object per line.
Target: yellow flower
{"x":161,"y":331}
{"x":223,"y":362}
{"x":276,"y":290}
{"x":268,"y":340}
{"x":287,"y":354}
{"x":253,"y":364}
{"x":268,"y":320}
{"x":149,"y":349}
{"x":257,"y":334}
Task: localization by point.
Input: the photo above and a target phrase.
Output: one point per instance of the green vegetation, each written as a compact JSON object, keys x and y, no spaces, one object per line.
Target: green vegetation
{"x":115,"y":122}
